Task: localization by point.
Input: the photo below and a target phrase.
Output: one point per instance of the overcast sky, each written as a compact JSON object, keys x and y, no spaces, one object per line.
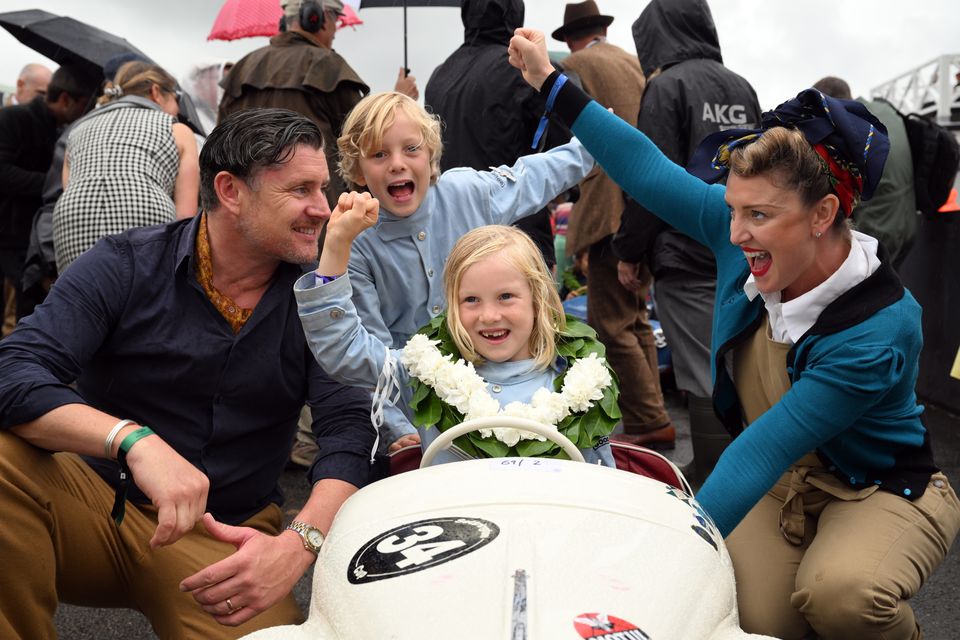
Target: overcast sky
{"x":780,"y":47}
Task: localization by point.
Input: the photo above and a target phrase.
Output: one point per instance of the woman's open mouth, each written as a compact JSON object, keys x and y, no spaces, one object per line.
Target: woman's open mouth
{"x":759,"y":261}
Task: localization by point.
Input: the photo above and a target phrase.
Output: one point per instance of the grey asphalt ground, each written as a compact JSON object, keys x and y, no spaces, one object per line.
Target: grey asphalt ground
{"x":935,"y":605}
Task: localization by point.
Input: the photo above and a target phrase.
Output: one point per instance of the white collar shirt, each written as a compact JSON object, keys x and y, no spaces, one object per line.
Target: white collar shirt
{"x":790,"y":320}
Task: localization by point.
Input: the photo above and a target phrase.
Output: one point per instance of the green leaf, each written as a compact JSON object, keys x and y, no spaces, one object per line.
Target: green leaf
{"x":609,"y":403}
{"x":534,"y":448}
{"x":593,"y":347}
{"x":449,"y":418}
{"x":466,"y":445}
{"x":592,"y":423}
{"x":420,"y":391}
{"x":576,"y":328}
{"x":570,"y":349}
{"x":428,"y":413}
{"x":492,"y":447}
{"x":558,"y":381}
{"x":573,"y":432}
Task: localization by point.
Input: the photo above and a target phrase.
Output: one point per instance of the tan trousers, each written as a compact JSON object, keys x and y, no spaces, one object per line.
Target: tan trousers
{"x":58,"y":543}
{"x":856,"y":557}
{"x":620,"y":319}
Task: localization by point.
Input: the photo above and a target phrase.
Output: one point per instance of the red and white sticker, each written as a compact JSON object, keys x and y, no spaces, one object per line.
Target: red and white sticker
{"x":602,"y":625}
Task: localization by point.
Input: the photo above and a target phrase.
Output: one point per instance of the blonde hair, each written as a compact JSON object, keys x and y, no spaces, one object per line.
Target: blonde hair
{"x":516,"y":247}
{"x":784,"y":156}
{"x":366,"y":124}
{"x":136,"y":78}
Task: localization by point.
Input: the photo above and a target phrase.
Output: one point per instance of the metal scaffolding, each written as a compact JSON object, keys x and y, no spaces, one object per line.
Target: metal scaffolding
{"x":931,"y":89}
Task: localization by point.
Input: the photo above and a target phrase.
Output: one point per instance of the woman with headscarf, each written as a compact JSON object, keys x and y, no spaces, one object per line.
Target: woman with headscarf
{"x":129,"y":163}
{"x":833,"y":510}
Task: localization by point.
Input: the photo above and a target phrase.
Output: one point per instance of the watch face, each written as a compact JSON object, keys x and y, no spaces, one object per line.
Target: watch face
{"x":314,"y":537}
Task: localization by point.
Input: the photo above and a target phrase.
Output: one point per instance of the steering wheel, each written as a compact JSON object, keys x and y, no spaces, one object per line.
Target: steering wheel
{"x":445,"y":439}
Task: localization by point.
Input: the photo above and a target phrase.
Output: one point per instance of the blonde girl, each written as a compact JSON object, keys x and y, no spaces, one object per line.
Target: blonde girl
{"x":504,"y":346}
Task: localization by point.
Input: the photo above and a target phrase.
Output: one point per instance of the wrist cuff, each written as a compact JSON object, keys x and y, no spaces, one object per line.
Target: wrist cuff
{"x":326,"y":279}
{"x":108,"y":443}
{"x":569,"y":101}
{"x":132,"y":438}
{"x":120,"y":497}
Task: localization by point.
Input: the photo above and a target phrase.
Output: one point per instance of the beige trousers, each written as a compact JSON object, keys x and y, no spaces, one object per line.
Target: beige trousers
{"x":58,"y":543}
{"x":851,"y":561}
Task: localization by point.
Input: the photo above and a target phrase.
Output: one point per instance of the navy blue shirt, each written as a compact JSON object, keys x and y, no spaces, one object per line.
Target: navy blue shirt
{"x":130,"y":324}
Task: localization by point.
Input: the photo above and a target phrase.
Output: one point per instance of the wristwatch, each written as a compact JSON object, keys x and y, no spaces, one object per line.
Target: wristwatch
{"x":311,"y":536}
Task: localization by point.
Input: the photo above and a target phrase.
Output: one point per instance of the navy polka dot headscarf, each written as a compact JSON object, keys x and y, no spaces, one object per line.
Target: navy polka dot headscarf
{"x":851,"y":141}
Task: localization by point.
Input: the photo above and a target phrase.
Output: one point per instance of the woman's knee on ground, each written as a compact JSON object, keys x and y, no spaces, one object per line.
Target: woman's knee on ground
{"x":844,"y":602}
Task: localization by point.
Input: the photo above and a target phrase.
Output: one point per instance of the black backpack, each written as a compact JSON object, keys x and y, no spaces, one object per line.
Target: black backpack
{"x":936,"y":158}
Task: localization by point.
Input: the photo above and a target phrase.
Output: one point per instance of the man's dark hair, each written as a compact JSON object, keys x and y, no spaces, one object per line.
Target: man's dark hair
{"x":834,"y":87}
{"x":77,"y":81}
{"x":251,"y":140}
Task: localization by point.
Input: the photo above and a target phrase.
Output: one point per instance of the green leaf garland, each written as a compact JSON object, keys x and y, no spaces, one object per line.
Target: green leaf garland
{"x":585,"y":429}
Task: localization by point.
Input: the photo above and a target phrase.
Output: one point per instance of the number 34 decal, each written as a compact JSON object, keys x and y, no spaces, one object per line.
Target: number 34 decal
{"x":419,"y":545}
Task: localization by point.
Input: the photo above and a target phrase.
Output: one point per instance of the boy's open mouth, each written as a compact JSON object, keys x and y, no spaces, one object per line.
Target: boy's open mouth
{"x":401,"y":190}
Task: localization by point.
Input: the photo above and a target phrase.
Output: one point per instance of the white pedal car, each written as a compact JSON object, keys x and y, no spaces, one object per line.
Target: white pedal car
{"x":517,"y":549}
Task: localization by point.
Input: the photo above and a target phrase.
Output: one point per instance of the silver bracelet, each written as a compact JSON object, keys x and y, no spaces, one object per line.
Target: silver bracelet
{"x":108,"y":443}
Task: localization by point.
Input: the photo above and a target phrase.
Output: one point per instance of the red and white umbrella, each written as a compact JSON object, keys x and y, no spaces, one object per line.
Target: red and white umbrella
{"x":251,"y":18}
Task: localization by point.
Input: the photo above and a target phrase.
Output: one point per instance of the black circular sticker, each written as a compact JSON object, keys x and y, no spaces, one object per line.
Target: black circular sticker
{"x":417,"y":546}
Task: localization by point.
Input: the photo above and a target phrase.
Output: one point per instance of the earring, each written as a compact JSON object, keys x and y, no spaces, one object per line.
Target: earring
{"x":818,"y":234}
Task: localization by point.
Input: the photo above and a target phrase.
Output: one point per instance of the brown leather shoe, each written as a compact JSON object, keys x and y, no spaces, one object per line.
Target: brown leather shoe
{"x":663,"y":438}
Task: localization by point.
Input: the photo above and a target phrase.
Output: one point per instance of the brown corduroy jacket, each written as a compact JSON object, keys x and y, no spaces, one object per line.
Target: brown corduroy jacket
{"x":295,"y":73}
{"x":614,"y":78}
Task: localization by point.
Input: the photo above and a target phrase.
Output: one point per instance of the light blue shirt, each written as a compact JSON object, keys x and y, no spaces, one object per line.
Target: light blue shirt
{"x":352,"y":355}
{"x":396,"y":266}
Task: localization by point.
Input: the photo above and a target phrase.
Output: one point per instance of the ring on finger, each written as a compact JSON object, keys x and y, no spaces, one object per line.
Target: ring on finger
{"x":230,"y":608}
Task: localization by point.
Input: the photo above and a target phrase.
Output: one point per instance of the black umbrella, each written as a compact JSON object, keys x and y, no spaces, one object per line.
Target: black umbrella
{"x":371,"y":4}
{"x":66,"y":40}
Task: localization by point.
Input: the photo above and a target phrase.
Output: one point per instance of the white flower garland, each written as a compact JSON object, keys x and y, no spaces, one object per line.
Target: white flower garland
{"x":459,"y":385}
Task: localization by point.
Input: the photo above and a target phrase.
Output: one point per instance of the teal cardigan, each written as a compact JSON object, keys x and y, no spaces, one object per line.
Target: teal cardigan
{"x":853,"y":373}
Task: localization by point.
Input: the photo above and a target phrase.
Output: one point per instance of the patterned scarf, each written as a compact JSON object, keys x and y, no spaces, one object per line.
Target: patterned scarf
{"x":229,"y":309}
{"x":849,"y":139}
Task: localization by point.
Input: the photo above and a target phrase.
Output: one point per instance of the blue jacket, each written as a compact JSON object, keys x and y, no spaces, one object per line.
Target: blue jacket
{"x":853,"y":373}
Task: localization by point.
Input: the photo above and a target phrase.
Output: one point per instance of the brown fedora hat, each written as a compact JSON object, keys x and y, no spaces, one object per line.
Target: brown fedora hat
{"x":580,"y":15}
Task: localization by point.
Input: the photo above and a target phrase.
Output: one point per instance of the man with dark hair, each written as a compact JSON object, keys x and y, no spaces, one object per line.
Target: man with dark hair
{"x":615,"y":79}
{"x":300,"y":71}
{"x":28,"y":133}
{"x":190,"y":328}
{"x":890,"y":215}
